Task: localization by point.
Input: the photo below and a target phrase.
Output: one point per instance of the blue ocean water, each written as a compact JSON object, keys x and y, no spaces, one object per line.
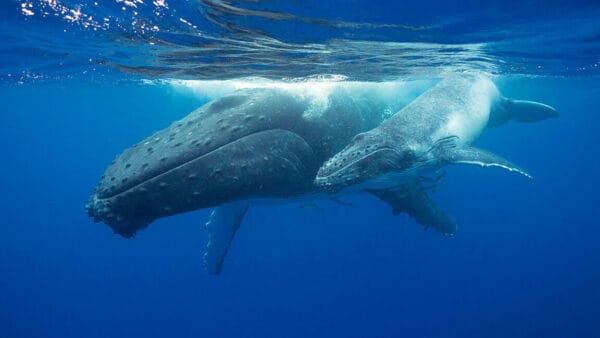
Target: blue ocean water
{"x":81,"y":81}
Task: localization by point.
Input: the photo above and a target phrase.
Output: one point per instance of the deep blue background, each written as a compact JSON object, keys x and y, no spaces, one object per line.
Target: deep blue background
{"x":524,"y":263}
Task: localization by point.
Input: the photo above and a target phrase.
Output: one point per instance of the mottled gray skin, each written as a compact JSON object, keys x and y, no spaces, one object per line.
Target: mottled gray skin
{"x":257,"y":143}
{"x":433,"y":130}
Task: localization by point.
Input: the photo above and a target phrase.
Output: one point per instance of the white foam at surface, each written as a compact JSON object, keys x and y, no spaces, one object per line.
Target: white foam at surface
{"x":393,"y":94}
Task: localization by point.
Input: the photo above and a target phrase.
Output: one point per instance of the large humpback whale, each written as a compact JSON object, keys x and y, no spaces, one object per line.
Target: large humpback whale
{"x":252,"y":144}
{"x":435,"y":129}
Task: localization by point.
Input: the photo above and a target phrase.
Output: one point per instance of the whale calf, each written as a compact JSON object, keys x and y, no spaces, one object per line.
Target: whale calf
{"x":254,"y":144}
{"x":435,"y":129}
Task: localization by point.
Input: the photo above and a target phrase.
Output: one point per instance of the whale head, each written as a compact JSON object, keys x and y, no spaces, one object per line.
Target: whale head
{"x":232,"y":148}
{"x":371,"y":161}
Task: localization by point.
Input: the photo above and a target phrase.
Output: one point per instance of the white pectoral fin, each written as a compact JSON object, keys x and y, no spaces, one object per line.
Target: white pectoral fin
{"x":224,"y":221}
{"x":471,"y":155}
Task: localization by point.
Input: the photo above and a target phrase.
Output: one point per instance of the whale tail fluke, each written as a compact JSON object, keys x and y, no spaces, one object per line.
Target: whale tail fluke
{"x":521,"y":111}
{"x":529,"y":111}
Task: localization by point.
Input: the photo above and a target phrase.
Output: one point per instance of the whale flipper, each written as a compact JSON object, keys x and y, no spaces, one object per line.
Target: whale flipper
{"x":520,"y":111}
{"x":472,"y":155}
{"x":222,"y":225}
{"x":413,"y":200}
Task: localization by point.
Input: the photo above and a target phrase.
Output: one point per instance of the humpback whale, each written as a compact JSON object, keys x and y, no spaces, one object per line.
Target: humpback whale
{"x":434,"y":130}
{"x":265,"y":143}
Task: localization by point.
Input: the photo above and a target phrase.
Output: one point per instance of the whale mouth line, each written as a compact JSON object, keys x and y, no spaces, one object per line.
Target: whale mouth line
{"x":323,"y":180}
{"x":180,"y":165}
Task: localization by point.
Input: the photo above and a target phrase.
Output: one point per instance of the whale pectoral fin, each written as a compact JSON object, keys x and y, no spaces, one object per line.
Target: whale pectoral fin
{"x":472,"y":155}
{"x":224,"y":221}
{"x":413,"y":200}
{"x":520,"y":111}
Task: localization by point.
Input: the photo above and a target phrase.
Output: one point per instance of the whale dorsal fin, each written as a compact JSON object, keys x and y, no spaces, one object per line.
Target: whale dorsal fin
{"x":472,"y":155}
{"x":413,"y":200}
{"x":224,"y":221}
{"x":520,"y":111}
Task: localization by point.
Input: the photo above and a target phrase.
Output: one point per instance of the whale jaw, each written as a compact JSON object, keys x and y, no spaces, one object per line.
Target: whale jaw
{"x":117,"y":218}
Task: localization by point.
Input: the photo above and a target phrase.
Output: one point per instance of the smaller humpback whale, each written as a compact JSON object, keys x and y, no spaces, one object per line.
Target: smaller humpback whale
{"x":435,"y":129}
